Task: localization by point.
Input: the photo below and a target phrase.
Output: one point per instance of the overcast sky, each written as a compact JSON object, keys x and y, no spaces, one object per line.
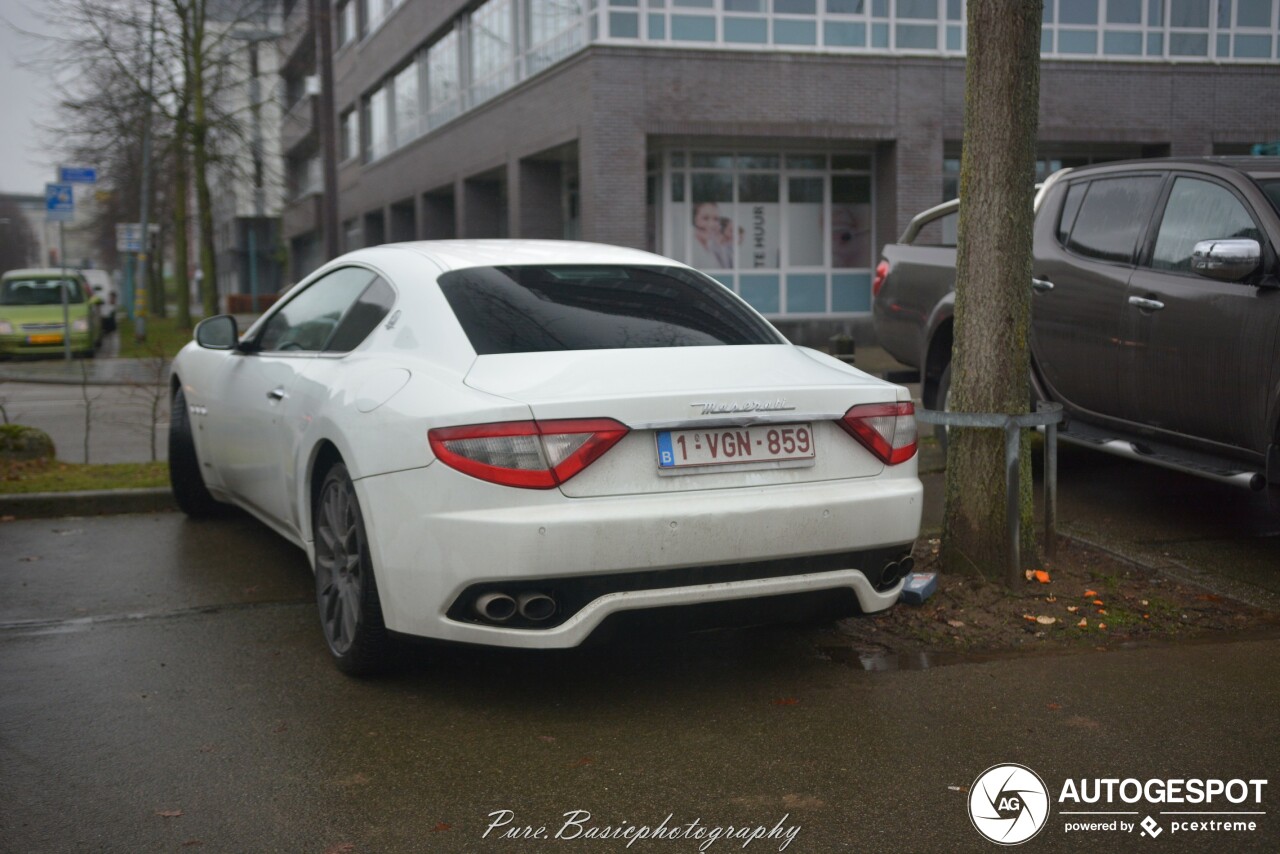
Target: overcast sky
{"x":25,"y":99}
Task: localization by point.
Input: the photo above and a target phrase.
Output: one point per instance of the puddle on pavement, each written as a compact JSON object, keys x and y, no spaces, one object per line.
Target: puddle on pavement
{"x":880,"y":662}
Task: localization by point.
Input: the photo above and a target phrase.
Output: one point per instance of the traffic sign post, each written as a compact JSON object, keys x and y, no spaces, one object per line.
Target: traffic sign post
{"x":60,"y":207}
{"x":77,"y":175}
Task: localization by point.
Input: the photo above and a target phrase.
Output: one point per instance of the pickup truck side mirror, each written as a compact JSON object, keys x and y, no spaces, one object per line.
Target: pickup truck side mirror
{"x":1226,"y":260}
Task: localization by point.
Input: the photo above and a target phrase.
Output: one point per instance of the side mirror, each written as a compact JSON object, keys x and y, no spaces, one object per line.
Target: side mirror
{"x":218,"y":333}
{"x":1226,"y":260}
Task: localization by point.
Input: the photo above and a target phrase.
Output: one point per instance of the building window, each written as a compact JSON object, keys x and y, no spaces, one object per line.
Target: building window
{"x":348,"y":22}
{"x":378,"y":130}
{"x":492,"y":50}
{"x":349,"y":141}
{"x":444,"y":80}
{"x":407,"y":119}
{"x":791,"y":232}
{"x":554,"y":30}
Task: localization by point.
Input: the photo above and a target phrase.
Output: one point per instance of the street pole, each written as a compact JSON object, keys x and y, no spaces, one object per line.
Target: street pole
{"x":140,"y":324}
{"x":66,"y":299}
{"x":325,"y":119}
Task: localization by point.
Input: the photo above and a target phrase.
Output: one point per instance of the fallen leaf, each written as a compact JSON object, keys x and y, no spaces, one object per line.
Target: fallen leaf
{"x":786,"y":701}
{"x":357,"y":779}
{"x":1090,"y":593}
{"x":1051,"y":599}
{"x":1041,"y":576}
{"x":958,"y":788}
{"x":1102,"y":611}
{"x":1209,"y":597}
{"x":206,"y":748}
{"x":1046,"y":621}
{"x":1102,"y":626}
{"x":442,"y":827}
{"x":1098,"y":602}
{"x":1028,"y":574}
{"x":1071,"y":609}
{"x":1083,"y":624}
{"x":1030,"y":618}
{"x":340,"y":848}
{"x":547,"y":738}
{"x":1146,"y":616}
{"x":8,"y":518}
{"x":955,"y":624}
{"x":1082,"y":722}
{"x":802,"y":802}
{"x":1144,"y":602}
{"x":1053,"y":707}
{"x":582,"y":763}
{"x":29,"y":558}
{"x":168,"y":813}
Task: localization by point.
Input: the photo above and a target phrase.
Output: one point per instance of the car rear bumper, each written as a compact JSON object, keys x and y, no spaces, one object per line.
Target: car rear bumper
{"x":435,"y":535}
{"x":16,"y":345}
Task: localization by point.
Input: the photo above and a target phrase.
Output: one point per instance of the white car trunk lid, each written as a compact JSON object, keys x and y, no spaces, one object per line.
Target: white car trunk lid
{"x":691,"y":388}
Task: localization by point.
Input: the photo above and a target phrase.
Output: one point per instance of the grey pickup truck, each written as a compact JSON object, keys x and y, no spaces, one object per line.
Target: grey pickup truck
{"x":1155,"y":310}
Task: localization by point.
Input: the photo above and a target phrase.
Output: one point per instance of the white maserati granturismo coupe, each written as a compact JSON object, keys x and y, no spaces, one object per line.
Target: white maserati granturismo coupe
{"x":518,"y":442}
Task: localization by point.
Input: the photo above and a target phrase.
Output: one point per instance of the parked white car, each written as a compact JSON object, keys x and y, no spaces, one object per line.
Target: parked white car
{"x":509,"y":442}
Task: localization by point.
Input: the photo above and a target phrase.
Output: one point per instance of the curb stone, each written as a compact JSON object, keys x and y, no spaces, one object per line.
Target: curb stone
{"x":97,"y":502}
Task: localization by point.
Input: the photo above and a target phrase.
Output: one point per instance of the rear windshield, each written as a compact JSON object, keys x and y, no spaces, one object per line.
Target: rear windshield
{"x":39,"y":292}
{"x":538,"y":309}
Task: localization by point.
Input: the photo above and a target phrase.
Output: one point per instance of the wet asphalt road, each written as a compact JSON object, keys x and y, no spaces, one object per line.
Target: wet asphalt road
{"x":151,"y":665}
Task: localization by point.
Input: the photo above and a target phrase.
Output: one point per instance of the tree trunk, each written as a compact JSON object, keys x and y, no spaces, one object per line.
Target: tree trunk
{"x":200,"y":158}
{"x":990,"y":358}
{"x":181,"y":229}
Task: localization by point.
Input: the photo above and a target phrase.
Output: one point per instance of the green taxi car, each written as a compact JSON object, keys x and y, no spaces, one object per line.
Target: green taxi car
{"x":31,"y":321}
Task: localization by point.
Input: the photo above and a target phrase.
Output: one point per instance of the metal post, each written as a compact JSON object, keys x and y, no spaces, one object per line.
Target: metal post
{"x":66,"y":308}
{"x":140,"y":325}
{"x":1011,"y":508}
{"x":1050,"y":488}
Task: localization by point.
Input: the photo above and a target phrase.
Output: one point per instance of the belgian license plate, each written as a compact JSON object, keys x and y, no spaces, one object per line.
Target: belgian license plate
{"x":759,"y":446}
{"x":47,"y":338}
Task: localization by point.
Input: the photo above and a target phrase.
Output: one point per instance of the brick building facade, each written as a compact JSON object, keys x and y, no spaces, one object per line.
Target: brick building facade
{"x":779,"y":164}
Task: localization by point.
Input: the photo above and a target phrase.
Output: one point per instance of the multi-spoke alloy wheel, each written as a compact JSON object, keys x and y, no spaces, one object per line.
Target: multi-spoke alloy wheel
{"x":350,"y":612}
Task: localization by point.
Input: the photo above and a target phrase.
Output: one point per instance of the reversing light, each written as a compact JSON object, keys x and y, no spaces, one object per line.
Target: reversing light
{"x":887,"y":430}
{"x":526,"y":454}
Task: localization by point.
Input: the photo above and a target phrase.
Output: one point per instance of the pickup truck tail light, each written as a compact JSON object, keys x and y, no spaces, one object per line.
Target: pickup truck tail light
{"x":526,"y":454}
{"x":887,"y":430}
{"x":882,"y":272}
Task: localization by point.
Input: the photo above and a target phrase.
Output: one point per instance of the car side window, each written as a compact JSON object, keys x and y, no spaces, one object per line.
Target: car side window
{"x":363,"y":317}
{"x":1198,"y":210}
{"x":307,"y":322}
{"x":1113,"y":216}
{"x":1070,"y":208}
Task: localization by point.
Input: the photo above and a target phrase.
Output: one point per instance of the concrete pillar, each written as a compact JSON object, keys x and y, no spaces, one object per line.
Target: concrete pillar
{"x":538,"y":202}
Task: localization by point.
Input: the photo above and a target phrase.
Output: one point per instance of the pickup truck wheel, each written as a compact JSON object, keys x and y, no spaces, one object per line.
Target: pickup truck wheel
{"x":943,"y":404}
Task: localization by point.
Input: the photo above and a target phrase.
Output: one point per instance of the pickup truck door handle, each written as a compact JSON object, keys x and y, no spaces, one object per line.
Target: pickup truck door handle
{"x":1146,"y":304}
{"x":1042,"y":285}
{"x":276,"y":394}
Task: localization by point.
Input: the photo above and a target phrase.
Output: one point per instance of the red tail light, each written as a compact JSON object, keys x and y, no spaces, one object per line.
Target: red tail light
{"x":887,"y":430}
{"x":527,"y":454}
{"x":882,"y":271}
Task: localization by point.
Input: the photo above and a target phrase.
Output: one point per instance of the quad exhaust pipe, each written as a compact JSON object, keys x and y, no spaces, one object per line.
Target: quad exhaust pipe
{"x":499,"y":607}
{"x":896,"y":570}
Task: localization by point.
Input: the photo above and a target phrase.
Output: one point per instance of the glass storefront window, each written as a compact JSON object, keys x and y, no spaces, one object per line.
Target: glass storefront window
{"x":790,"y":232}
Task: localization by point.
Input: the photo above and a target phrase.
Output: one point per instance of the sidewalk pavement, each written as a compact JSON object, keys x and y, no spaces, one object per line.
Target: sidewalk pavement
{"x":99,"y":371}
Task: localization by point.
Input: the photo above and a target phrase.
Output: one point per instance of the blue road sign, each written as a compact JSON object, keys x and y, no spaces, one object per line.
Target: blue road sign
{"x":77,"y":175}
{"x":59,"y":203}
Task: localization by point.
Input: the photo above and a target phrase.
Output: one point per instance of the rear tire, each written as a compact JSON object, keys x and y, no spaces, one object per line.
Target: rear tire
{"x":189,"y":491}
{"x":346,"y":593}
{"x":942,"y":405}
